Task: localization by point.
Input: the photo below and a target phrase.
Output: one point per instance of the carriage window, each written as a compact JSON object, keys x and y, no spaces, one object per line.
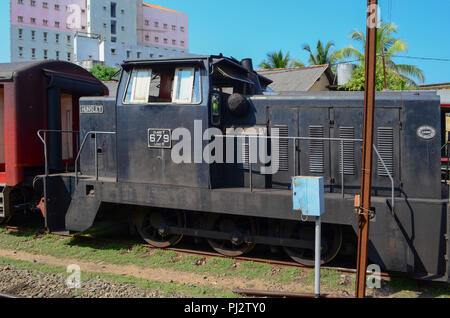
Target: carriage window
{"x":164,"y":85}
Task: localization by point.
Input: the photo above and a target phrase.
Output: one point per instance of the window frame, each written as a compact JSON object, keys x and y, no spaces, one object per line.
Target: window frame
{"x":171,"y":103}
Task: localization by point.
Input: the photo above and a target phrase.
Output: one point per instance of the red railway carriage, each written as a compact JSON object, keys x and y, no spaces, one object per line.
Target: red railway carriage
{"x":38,"y":96}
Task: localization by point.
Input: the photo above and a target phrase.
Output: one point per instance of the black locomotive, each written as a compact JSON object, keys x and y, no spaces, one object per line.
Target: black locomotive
{"x":181,"y":146}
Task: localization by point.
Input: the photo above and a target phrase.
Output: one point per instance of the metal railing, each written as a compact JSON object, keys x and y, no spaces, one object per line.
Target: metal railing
{"x":44,"y":141}
{"x":446,"y":147}
{"x":90,"y":133}
{"x":295,"y":150}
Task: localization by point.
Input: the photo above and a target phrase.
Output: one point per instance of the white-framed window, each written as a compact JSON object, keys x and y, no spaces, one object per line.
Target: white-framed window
{"x":139,"y":86}
{"x":175,"y":85}
{"x":186,"y":86}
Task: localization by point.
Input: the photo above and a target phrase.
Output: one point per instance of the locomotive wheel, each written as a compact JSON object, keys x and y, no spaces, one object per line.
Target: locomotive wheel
{"x":239,"y":227}
{"x":330,"y":247}
{"x":153,"y":226}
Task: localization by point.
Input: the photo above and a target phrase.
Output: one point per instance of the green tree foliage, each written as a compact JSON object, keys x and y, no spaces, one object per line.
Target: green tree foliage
{"x":395,"y":81}
{"x":279,"y":60}
{"x":103,"y":73}
{"x":323,"y":55}
{"x":390,"y":46}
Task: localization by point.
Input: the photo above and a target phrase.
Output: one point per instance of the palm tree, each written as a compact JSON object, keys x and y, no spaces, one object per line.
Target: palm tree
{"x":322,"y":55}
{"x":279,"y":60}
{"x":388,"y":46}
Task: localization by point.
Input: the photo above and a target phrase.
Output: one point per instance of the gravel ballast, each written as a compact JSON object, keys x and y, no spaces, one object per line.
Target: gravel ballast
{"x":34,"y":284}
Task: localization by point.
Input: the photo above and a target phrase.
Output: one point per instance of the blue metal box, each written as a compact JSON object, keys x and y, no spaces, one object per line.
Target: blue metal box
{"x":307,"y":195}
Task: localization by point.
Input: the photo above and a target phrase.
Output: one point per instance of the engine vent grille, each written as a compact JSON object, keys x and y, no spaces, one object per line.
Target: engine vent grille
{"x":245,"y":153}
{"x":283,"y":160}
{"x":348,"y":151}
{"x":316,"y":150}
{"x":386,"y":149}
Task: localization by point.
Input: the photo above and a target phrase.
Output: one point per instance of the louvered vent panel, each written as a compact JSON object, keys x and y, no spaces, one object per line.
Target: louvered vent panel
{"x":386,"y":150}
{"x":245,"y":153}
{"x":316,"y":150}
{"x":349,"y":150}
{"x":283,"y":160}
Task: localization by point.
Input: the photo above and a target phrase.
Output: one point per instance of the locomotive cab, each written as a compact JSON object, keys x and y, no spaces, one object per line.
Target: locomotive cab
{"x":170,"y":101}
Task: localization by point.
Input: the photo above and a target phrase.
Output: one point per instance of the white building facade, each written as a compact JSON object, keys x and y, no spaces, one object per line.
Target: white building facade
{"x":95,"y":31}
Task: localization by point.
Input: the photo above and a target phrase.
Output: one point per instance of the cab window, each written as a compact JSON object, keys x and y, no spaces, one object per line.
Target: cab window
{"x":164,"y":84}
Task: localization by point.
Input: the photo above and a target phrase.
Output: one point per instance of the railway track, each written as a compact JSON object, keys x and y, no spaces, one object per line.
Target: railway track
{"x":188,"y":251}
{"x":7,"y":296}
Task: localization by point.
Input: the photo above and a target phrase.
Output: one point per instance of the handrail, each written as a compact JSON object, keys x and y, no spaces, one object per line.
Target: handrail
{"x":341,"y":140}
{"x":44,"y":141}
{"x":90,"y":133}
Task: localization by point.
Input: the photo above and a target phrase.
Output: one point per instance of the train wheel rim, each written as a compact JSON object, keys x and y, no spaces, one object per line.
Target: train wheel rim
{"x":330,"y":247}
{"x":240,"y":226}
{"x":152,"y":225}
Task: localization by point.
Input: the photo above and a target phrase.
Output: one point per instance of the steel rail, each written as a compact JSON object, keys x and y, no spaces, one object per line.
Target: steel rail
{"x":208,"y":254}
{"x":278,"y":294}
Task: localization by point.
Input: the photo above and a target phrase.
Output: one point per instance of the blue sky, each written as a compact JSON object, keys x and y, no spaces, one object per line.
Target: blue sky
{"x":252,"y":28}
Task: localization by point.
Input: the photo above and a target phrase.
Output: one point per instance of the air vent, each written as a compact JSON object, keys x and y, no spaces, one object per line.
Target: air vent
{"x":348,"y":151}
{"x":245,"y":153}
{"x":283,"y":160}
{"x":316,"y":150}
{"x":386,"y":149}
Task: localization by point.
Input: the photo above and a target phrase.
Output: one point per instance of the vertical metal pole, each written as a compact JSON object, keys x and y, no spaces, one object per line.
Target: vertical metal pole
{"x":295,"y":156}
{"x":45,"y":153}
{"x":250,"y":167}
{"x":342,"y":168}
{"x":366,"y":174}
{"x":96,"y":157}
{"x":317,"y":257}
{"x":45,"y":178}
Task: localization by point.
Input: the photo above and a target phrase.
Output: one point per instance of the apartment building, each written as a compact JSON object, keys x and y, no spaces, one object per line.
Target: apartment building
{"x":95,"y":31}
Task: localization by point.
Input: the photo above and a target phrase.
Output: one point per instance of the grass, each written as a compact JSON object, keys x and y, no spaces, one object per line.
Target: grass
{"x":164,"y":289}
{"x":79,"y":248}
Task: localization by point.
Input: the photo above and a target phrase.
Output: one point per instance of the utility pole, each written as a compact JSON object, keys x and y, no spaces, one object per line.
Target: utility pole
{"x":364,"y":206}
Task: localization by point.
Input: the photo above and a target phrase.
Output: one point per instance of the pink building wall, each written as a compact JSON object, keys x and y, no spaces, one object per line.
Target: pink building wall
{"x":161,"y":15}
{"x":50,"y":14}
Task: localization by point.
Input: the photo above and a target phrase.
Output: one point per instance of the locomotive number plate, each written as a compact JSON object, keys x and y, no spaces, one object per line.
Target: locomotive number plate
{"x":160,"y":138}
{"x":91,"y":109}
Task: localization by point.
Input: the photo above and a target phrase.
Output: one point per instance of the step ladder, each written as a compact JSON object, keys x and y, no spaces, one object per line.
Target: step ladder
{"x":2,"y":201}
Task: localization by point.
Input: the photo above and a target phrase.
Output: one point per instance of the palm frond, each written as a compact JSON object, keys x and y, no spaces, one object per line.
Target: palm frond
{"x":410,"y":71}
